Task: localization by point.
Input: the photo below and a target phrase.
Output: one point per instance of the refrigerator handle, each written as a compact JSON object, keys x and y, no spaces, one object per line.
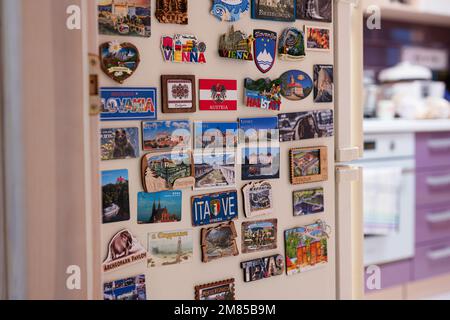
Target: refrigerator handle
{"x":349,"y":234}
{"x":348,"y":40}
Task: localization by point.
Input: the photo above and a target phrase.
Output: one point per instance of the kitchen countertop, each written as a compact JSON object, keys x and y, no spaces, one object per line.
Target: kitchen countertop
{"x":398,"y":125}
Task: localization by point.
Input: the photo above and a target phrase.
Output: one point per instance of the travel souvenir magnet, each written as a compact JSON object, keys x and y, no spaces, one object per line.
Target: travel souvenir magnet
{"x":258,"y":199}
{"x":167,"y":171}
{"x":123,"y":104}
{"x":216,"y":135}
{"x":218,"y":95}
{"x":159,"y":207}
{"x":323,"y":83}
{"x":214,"y":207}
{"x":296,"y":85}
{"x":296,"y":126}
{"x":277,"y":10}
{"x":309,"y":165}
{"x":221,"y":290}
{"x":133,"y":288}
{"x":115,"y":196}
{"x":263,"y":94}
{"x":263,"y":268}
{"x":119,"y":143}
{"x":123,"y":249}
{"x":229,"y":10}
{"x":260,"y":163}
{"x":219,"y":242}
{"x":306,"y":247}
{"x":172,"y":11}
{"x":214,"y":170}
{"x":317,"y":10}
{"x":183,"y":48}
{"x":291,"y":45}
{"x":167,"y":248}
{"x":236,"y":45}
{"x":259,"y":235}
{"x":318,"y":38}
{"x":308,"y":202}
{"x":118,"y":60}
{"x":258,"y":130}
{"x":265,"y":49}
{"x":124,"y":18}
{"x":178,"y":94}
{"x":166,"y":135}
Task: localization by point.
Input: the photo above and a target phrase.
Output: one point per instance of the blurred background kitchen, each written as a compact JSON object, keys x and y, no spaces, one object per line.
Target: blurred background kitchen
{"x":407,"y":150}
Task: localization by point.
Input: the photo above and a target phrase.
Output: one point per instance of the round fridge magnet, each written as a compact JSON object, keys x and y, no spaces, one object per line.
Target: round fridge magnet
{"x":296,"y":85}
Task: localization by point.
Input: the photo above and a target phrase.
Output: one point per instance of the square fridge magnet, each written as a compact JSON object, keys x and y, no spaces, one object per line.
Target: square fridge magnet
{"x":115,"y":196}
{"x":308,"y":202}
{"x":219,"y":242}
{"x":260,"y":163}
{"x":178,"y":94}
{"x":309,"y":165}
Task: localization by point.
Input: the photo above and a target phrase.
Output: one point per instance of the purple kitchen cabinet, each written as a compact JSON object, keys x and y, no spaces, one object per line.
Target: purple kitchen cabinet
{"x":433,"y":150}
{"x":432,"y":187}
{"x":432,"y":223}
{"x":392,"y":274}
{"x":431,"y":260}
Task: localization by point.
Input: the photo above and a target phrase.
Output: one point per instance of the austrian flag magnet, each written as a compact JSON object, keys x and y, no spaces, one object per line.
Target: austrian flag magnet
{"x":218,"y":95}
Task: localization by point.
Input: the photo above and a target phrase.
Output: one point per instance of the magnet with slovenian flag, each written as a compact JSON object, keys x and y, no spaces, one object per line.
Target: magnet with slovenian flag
{"x":218,"y":95}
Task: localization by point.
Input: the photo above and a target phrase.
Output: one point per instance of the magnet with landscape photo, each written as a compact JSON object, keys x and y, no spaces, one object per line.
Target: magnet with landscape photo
{"x":132,"y":288}
{"x":323,"y":83}
{"x":119,"y":60}
{"x":119,"y":143}
{"x":219,"y":242}
{"x":263,"y":94}
{"x":306,"y":248}
{"x":168,"y":248}
{"x":214,"y":208}
{"x":115,"y":196}
{"x":277,"y":10}
{"x":259,"y":235}
{"x":316,"y":10}
{"x":260,"y":163}
{"x":125,"y":18}
{"x":167,"y":171}
{"x":159,"y":207}
{"x":258,"y":130}
{"x":212,"y":135}
{"x":296,"y":126}
{"x":178,"y":94}
{"x":263,"y":268}
{"x":221,"y":290}
{"x":214,"y":170}
{"x":318,"y":38}
{"x":309,"y":165}
{"x":166,"y":135}
{"x":308,"y":202}
{"x":258,"y":199}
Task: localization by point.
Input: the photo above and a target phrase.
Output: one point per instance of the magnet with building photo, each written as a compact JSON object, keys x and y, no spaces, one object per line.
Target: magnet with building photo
{"x":296,"y":126}
{"x":263,"y":268}
{"x":132,"y":288}
{"x":277,"y":10}
{"x":318,"y":38}
{"x":230,"y":11}
{"x":215,"y":135}
{"x":258,"y":199}
{"x":306,"y":248}
{"x":119,"y":60}
{"x":259,"y":235}
{"x":172,"y":11}
{"x":263,"y":94}
{"x":214,"y":170}
{"x":296,"y":85}
{"x":291,"y":46}
{"x":323,"y":83}
{"x":167,"y":248}
{"x":159,"y":207}
{"x":260,"y":163}
{"x":214,"y":208}
{"x":124,"y":17}
{"x":166,"y":135}
{"x":115,"y":196}
{"x":219,"y":242}
{"x":316,"y":10}
{"x":126,"y":104}
{"x":221,"y":290}
{"x":258,"y":130}
{"x":308,"y":202}
{"x":178,"y":94}
{"x":309,"y":165}
{"x":124,"y":249}
{"x":236,"y":45}
{"x":167,"y":171}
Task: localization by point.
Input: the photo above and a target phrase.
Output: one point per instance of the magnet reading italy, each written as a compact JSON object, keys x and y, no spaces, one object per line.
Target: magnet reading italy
{"x":213,"y":208}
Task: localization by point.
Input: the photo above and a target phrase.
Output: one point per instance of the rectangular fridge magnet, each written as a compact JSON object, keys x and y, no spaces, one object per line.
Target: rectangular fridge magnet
{"x":178,"y":94}
{"x":309,"y":165}
{"x":126,"y":289}
{"x":221,"y":290}
{"x":115,"y":196}
{"x":214,"y":208}
{"x":167,"y":248}
{"x":119,"y":143}
{"x":219,"y":242}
